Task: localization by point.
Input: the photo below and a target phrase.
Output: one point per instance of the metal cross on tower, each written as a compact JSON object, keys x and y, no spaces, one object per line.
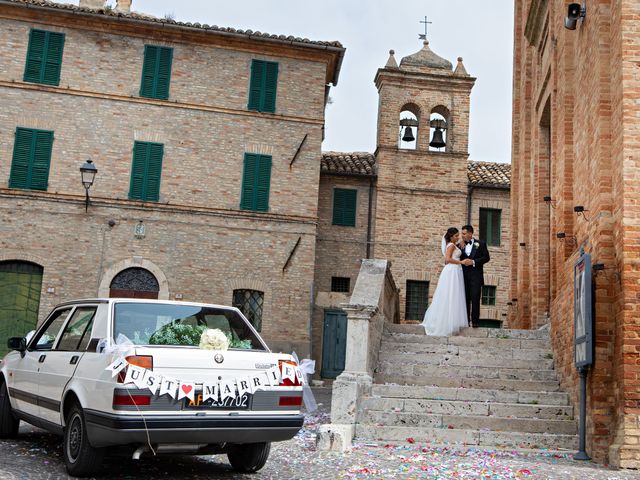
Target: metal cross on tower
{"x":426,"y":24}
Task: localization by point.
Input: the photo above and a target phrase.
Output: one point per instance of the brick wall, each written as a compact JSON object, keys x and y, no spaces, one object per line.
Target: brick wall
{"x":583,"y":83}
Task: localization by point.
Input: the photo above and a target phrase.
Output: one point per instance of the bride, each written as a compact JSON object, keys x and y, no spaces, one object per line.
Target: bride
{"x":448,"y":312}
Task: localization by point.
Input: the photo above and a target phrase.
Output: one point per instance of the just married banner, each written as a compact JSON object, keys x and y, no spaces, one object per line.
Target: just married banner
{"x":229,"y":387}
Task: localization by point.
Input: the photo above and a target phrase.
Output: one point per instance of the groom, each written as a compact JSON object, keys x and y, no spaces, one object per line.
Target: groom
{"x":475,"y":250}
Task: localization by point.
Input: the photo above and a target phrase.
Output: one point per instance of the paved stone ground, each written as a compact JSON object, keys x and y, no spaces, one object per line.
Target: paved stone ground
{"x":38,"y":455}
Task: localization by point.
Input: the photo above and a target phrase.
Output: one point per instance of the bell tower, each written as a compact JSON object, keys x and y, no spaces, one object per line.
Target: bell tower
{"x":421,"y":157}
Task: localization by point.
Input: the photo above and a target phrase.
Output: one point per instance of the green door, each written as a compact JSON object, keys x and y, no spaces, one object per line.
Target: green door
{"x":334,"y":344}
{"x":20,"y":286}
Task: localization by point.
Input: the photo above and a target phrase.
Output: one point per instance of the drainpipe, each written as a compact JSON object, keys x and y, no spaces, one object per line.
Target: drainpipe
{"x":469,"y":194}
{"x":369,"y":217}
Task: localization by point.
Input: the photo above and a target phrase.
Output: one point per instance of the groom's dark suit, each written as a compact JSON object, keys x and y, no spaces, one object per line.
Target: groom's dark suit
{"x":474,"y":278}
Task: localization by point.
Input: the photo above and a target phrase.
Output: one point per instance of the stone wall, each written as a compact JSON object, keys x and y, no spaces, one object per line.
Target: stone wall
{"x":575,"y":139}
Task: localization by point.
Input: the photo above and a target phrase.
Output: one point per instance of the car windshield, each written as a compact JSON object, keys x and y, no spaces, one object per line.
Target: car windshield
{"x":169,"y":324}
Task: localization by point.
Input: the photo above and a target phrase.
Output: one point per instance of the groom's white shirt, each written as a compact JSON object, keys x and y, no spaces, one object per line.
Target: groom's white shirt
{"x":468,"y":247}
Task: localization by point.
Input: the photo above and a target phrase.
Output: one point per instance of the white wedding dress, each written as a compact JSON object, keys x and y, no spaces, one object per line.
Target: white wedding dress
{"x":447,"y":313}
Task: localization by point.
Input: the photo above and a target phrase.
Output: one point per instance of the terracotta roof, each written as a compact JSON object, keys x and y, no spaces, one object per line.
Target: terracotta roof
{"x":348,"y":163}
{"x":168,"y":21}
{"x":481,"y":174}
{"x":489,"y":174}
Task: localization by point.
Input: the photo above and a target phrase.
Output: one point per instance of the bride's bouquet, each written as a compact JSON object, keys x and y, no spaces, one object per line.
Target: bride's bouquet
{"x":214,"y":339}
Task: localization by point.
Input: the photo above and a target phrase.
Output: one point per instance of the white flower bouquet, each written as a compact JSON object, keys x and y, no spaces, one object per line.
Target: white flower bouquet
{"x":214,"y":339}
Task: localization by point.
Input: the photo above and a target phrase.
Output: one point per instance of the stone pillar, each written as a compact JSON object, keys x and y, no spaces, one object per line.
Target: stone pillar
{"x":123,"y":6}
{"x":95,"y":4}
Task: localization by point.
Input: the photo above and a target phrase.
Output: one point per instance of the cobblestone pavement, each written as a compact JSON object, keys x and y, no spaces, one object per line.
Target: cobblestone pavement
{"x":36,"y":454}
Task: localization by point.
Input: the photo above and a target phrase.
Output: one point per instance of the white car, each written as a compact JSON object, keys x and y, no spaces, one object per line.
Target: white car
{"x":155,"y":388}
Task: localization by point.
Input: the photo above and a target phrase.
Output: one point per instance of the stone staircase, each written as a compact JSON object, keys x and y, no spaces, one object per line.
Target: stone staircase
{"x":484,"y":387}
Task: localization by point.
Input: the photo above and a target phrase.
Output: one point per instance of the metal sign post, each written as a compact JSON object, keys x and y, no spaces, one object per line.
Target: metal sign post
{"x":583,"y":338}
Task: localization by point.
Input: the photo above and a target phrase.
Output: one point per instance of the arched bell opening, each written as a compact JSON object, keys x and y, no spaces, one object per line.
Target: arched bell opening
{"x":408,"y":127}
{"x":438,"y":129}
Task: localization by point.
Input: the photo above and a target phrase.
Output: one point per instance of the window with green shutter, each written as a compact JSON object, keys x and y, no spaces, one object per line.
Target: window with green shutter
{"x":344,"y":207}
{"x":490,"y":220}
{"x":31,"y":159}
{"x":256,"y":181}
{"x":263,"y":85}
{"x":156,"y":72}
{"x":488,"y":295}
{"x":44,"y":57}
{"x":146,"y":170}
{"x":417,"y":299}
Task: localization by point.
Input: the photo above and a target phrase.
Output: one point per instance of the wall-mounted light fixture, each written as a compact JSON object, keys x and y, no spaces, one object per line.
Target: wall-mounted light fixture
{"x":575,"y":12}
{"x":579,"y":209}
{"x":88,"y":173}
{"x":563,"y":237}
{"x":549,"y":200}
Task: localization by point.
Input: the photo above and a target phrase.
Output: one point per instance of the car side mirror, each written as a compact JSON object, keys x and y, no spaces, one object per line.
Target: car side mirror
{"x":17,"y":343}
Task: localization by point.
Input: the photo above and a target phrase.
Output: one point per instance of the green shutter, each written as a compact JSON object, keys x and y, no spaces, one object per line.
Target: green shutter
{"x":154,"y":171}
{"x":31,"y":159}
{"x":263,"y":86}
{"x":146,"y":171}
{"x":344,"y":207}
{"x":156,"y":72}
{"x":255,"y":88}
{"x":256,"y":182}
{"x":270,"y":86}
{"x":490,"y":226}
{"x":44,"y":57}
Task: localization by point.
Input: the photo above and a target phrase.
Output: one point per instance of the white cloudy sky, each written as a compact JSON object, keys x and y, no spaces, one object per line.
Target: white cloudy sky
{"x":479,"y":31}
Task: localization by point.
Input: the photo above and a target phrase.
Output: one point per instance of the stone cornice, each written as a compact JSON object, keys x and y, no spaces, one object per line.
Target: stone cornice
{"x":97,"y":202}
{"x":440,"y":82}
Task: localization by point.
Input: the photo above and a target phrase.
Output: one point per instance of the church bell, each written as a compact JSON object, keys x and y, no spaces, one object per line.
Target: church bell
{"x":408,"y":135}
{"x":437,"y":141}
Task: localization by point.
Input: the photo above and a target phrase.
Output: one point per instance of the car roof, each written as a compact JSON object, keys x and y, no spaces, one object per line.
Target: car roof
{"x":141,"y":300}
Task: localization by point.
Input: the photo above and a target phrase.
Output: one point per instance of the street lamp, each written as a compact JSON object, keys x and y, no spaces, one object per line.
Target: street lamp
{"x":88,"y":172}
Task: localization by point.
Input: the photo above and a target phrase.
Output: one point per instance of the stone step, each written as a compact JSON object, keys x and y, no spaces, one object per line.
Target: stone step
{"x":470,"y":383}
{"x":469,"y":422}
{"x":467,"y":341}
{"x":526,"y":374}
{"x":460,"y":407}
{"x":467,"y":351}
{"x":466,"y":359}
{"x":501,"y":333}
{"x":470,"y":394}
{"x":510,"y":440}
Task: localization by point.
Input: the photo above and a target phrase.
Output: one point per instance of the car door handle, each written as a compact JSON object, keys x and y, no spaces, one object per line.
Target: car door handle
{"x":74,"y":360}
{"x":41,"y":359}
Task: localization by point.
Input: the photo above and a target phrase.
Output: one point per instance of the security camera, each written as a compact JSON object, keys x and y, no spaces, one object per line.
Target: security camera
{"x":574,"y":13}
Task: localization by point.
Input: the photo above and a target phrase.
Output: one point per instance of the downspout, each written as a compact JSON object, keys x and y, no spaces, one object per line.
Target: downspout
{"x":469,"y":202}
{"x":369,"y":217}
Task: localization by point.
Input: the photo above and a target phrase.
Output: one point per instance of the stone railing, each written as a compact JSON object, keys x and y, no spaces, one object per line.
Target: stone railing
{"x":374,"y":301}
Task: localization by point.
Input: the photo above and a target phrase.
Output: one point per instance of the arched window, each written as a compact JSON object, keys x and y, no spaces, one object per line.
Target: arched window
{"x":250,"y":303}
{"x":134,"y":283}
{"x":438,"y":129}
{"x":20,"y":287}
{"x":408,"y":127}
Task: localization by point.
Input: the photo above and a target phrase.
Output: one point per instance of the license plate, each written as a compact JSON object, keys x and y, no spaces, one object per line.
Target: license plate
{"x":235,"y":403}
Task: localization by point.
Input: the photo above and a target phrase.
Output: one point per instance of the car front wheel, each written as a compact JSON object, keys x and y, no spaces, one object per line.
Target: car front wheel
{"x":8,"y":423}
{"x":81,"y":458}
{"x":249,"y":457}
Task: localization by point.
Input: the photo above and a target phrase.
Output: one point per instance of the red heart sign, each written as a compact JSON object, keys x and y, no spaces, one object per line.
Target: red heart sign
{"x":186,"y":388}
